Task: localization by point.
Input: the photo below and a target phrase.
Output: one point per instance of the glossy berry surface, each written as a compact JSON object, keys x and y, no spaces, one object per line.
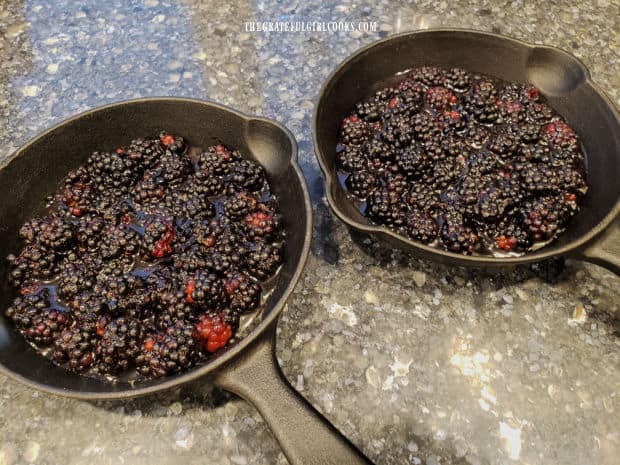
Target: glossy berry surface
{"x":462,"y":162}
{"x":147,"y":257}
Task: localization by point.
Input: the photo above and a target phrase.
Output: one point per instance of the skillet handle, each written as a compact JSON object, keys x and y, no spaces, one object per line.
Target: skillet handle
{"x":305,"y":436}
{"x":604,"y":250}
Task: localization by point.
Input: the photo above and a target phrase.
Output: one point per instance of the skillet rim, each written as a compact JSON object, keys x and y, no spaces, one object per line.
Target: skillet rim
{"x":386,"y":234}
{"x":274,"y":311}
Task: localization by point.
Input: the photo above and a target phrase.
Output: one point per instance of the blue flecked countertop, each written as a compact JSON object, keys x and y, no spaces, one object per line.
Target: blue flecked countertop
{"x":414,"y":362}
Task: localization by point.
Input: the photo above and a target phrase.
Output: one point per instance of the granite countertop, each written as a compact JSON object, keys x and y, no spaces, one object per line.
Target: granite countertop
{"x":414,"y":362}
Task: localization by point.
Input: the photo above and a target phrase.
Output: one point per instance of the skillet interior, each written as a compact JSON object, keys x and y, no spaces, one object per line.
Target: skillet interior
{"x":562,"y":79}
{"x":37,"y":168}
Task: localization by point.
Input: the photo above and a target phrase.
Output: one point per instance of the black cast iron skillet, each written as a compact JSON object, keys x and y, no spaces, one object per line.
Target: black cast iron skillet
{"x":248,"y":369}
{"x":592,"y":235}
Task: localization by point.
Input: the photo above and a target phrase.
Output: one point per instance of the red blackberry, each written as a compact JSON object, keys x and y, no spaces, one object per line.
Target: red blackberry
{"x":420,"y":226}
{"x":354,"y":130}
{"x":76,"y":347}
{"x":248,"y":175}
{"x":171,"y":142}
{"x":204,"y":288}
{"x":511,"y":237}
{"x":458,"y":79}
{"x":38,"y":316}
{"x":455,"y":235}
{"x":261,"y":223}
{"x":361,"y":183}
{"x":212,"y":332}
{"x":168,"y":352}
{"x":264,"y":259}
{"x":119,"y":345}
{"x":561,"y":136}
{"x":543,"y":217}
{"x":243,"y":292}
{"x":440,"y":99}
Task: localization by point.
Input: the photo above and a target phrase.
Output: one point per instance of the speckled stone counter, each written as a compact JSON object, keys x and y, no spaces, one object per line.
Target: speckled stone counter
{"x":414,"y":362}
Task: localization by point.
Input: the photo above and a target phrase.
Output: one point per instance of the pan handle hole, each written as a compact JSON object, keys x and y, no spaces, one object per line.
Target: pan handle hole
{"x":554,"y":71}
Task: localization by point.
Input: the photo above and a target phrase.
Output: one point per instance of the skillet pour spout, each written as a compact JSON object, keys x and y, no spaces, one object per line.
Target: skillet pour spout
{"x":562,"y":78}
{"x":249,"y":367}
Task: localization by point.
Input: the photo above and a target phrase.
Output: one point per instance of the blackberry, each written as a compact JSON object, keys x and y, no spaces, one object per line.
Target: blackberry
{"x":503,"y":143}
{"x":397,"y":132}
{"x":204,"y":288}
{"x":119,"y":345}
{"x":147,"y":152}
{"x":528,"y":132}
{"x":186,"y":205}
{"x":511,"y":237}
{"x":411,"y":93}
{"x":539,"y":113}
{"x":88,"y":231}
{"x":452,"y":121}
{"x":151,"y":187}
{"x":396,"y":183}
{"x":351,"y":158}
{"x":117,"y":241}
{"x":429,"y":75}
{"x":173,"y":168}
{"x":33,"y":262}
{"x":361,"y":183}
{"x":539,"y":152}
{"x":413,"y":162}
{"x":159,"y":236}
{"x":212,"y":331}
{"x":263,"y":223}
{"x":112,"y":171}
{"x":422,"y":197}
{"x":38,"y":316}
{"x":248,"y":175}
{"x":420,"y":226}
{"x":244,"y":293}
{"x":385,"y":207}
{"x":476,"y":135}
{"x":87,"y":303}
{"x":445,"y":172}
{"x":239,"y":205}
{"x":458,"y":79}
{"x":217,"y":160}
{"x":354,"y":130}
{"x":168,"y":352}
{"x":51,"y":233}
{"x":264,"y":259}
{"x":78,"y":198}
{"x":426,"y":127}
{"x":206,"y":183}
{"x":173,"y":307}
{"x":440,"y":99}
{"x":543,"y":217}
{"x":511,"y":111}
{"x":560,"y":136}
{"x":171,"y":142}
{"x":74,"y":277}
{"x":76,"y":347}
{"x":492,"y":204}
{"x":455,"y":235}
{"x":481,"y":109}
{"x":380,"y":150}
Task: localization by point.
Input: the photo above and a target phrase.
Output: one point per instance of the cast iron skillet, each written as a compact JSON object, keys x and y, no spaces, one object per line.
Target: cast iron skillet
{"x":561,"y":77}
{"x":248,"y":369}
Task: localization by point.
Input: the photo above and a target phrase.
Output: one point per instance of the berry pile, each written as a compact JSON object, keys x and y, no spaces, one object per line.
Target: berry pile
{"x":462,"y":162}
{"x":146,"y":259}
